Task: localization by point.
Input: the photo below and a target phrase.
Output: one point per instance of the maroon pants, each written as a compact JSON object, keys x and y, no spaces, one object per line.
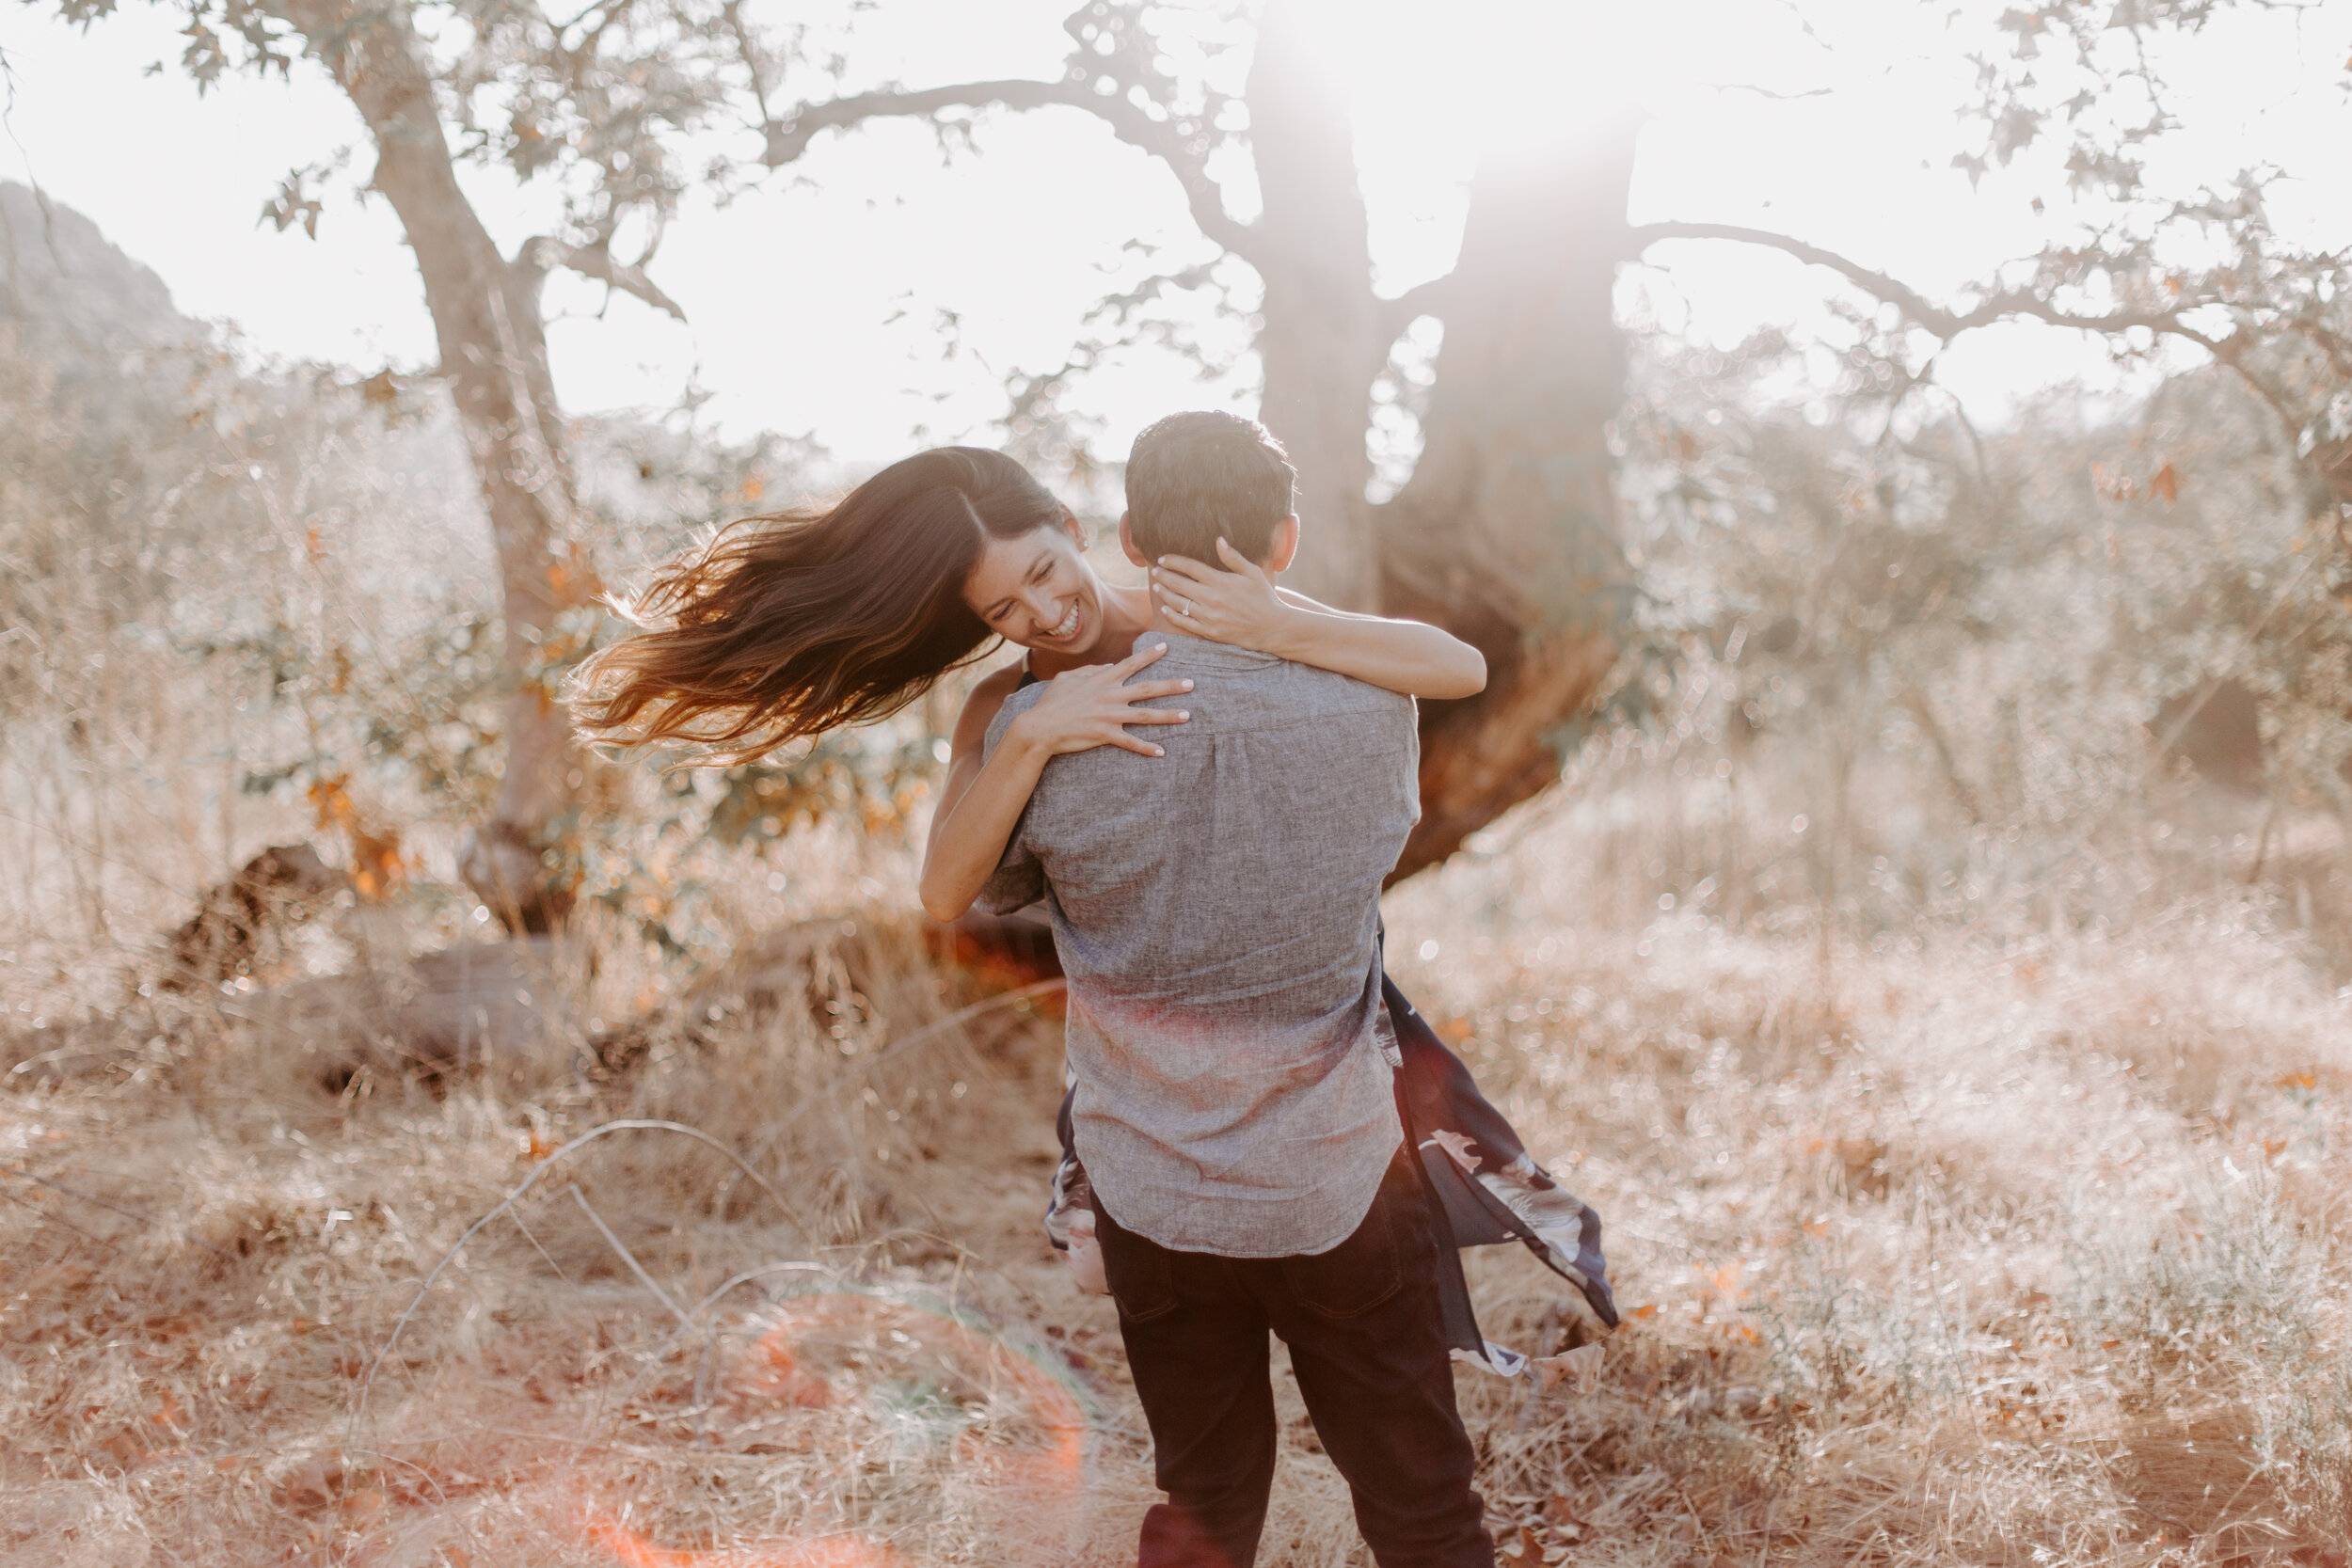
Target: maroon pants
{"x":1369,"y":1348}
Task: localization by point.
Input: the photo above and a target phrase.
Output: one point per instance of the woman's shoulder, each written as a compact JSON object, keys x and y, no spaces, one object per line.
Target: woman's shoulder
{"x":988,"y":698}
{"x":998,"y":684}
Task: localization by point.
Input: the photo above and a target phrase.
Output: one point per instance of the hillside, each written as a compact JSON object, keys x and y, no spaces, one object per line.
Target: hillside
{"x":73,"y":291}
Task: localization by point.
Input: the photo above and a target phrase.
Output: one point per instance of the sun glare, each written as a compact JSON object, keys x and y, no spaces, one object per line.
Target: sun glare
{"x":1434,"y":88}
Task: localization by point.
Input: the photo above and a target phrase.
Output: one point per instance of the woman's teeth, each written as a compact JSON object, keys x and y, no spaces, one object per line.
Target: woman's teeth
{"x":1069,"y":623}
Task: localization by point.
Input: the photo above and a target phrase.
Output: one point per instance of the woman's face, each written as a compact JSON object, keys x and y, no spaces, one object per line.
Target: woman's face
{"x":1038,"y":591}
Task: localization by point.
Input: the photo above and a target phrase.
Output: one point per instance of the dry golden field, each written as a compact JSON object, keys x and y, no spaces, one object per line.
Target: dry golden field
{"x":1934,"y":963}
{"x":2011,"y":1237}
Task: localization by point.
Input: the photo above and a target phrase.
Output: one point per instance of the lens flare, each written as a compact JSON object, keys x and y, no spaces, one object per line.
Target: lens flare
{"x":777,"y":1370}
{"x":632,"y":1551}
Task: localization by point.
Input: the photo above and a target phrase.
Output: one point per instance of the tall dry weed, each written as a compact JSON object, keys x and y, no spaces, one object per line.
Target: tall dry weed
{"x":1955,"y":1223}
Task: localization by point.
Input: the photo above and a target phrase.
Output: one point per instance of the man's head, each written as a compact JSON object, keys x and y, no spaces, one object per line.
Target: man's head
{"x":1193,"y":479}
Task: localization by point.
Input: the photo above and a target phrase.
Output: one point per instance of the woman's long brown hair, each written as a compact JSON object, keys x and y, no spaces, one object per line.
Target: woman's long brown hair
{"x":789,"y":625}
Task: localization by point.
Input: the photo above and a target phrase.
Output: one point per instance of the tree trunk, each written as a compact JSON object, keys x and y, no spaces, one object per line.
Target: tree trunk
{"x":1507,"y":533}
{"x":1320,"y":345}
{"x":486,"y":315}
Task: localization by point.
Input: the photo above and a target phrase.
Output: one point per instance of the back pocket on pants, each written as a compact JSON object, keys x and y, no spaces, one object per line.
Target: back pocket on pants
{"x":1356,"y":1276}
{"x":1137,"y":1269}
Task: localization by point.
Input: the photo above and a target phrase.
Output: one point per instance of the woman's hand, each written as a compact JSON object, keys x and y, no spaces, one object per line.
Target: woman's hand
{"x":1241,"y":605}
{"x":1084,"y":1255}
{"x":985,"y":792}
{"x":1237,"y":604}
{"x":1091,"y":707}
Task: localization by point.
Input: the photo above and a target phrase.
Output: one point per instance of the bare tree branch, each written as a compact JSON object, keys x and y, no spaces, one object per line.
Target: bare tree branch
{"x":789,"y":137}
{"x":2242,"y":351}
{"x":1773,"y":93}
{"x":748,"y":50}
{"x":545,"y":254}
{"x":1937,"y":319}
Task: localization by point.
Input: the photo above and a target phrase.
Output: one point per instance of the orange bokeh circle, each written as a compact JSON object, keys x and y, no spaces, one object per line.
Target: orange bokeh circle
{"x":772,"y":1370}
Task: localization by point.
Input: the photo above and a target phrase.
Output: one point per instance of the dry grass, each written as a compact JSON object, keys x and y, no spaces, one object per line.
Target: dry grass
{"x":1979,"y":1247}
{"x":209,"y":1251}
{"x":2012,"y":1240}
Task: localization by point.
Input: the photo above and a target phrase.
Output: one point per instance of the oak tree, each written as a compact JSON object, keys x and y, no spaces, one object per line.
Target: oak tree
{"x":596,"y":103}
{"x":1507,"y":529}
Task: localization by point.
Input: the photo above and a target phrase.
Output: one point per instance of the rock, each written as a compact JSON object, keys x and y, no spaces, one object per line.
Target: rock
{"x":427,"y":1013}
{"x":274,"y":892}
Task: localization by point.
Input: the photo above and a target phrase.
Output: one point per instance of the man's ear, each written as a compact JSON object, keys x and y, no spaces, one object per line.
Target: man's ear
{"x":1283,"y":547}
{"x":1127,"y":540}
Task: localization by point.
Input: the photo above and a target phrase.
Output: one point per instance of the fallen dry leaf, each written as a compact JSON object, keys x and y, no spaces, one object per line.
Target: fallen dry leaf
{"x":1575,"y":1367}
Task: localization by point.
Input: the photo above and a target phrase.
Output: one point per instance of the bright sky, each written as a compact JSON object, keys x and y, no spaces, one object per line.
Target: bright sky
{"x":812,"y":306}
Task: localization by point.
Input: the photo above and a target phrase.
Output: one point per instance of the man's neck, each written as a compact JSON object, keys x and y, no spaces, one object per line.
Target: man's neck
{"x":1128,"y":612}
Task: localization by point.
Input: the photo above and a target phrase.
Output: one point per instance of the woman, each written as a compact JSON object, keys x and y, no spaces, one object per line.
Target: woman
{"x":787,"y":625}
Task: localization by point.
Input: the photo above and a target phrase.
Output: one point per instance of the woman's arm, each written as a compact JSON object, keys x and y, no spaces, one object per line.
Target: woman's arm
{"x":1240,"y":605}
{"x":961,"y":836}
{"x":983,"y":799}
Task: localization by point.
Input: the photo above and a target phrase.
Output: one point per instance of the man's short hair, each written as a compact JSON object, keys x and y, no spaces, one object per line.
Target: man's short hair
{"x":1193,"y":477}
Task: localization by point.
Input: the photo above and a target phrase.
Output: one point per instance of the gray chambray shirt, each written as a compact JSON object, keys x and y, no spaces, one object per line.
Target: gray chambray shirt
{"x":1218,"y":914}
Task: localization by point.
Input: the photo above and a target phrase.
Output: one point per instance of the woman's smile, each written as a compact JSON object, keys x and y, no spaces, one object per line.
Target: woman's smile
{"x":1067,"y":629}
{"x":1038,"y":591}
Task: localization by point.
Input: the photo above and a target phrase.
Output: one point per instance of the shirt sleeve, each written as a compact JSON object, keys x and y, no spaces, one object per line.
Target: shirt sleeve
{"x":1019,"y":880}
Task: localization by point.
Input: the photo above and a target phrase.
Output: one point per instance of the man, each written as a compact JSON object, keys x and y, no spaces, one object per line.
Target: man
{"x":1217,"y":911}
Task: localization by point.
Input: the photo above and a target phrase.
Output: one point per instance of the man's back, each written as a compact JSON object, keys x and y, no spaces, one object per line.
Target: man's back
{"x":1216,"y":910}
